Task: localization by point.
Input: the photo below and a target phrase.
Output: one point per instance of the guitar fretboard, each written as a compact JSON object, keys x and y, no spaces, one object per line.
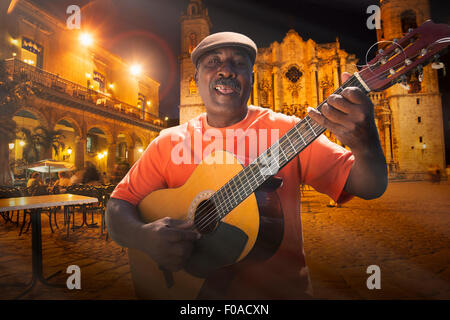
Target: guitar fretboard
{"x":272,"y":160}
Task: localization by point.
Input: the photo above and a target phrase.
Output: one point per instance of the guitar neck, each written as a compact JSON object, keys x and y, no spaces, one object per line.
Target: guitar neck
{"x":274,"y":158}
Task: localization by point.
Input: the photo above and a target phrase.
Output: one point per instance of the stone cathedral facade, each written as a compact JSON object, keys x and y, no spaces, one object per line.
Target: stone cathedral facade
{"x":297,"y":73}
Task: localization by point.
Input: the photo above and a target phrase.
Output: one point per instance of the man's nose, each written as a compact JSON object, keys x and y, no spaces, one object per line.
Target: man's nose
{"x":226,"y":70}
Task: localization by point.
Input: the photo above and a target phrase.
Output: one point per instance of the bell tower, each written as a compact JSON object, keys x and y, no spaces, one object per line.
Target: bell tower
{"x":416,"y":120}
{"x":195,"y":25}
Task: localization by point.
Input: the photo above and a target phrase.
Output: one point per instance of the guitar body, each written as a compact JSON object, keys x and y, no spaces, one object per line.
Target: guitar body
{"x":252,"y":231}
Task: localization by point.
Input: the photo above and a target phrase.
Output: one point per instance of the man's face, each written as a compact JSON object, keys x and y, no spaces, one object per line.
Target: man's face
{"x":224,"y":79}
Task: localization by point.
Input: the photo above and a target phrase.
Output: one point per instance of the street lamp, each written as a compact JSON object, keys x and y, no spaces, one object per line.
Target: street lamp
{"x":135,"y":69}
{"x":86,"y":39}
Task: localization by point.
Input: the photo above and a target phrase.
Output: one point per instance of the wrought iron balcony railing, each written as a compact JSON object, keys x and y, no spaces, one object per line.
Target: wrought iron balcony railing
{"x":98,"y":101}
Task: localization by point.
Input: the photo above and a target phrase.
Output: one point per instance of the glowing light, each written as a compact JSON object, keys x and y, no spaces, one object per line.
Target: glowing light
{"x":14,"y":42}
{"x":135,"y":69}
{"x":14,"y":54}
{"x":86,"y":39}
{"x":111,"y":85}
{"x":69,"y":151}
{"x":88,"y":75}
{"x":21,"y":143}
{"x":100,"y":156}
{"x":166,"y":118}
{"x":149,"y":103}
{"x":140,"y":150}
{"x":105,"y":153}
{"x":11,"y":146}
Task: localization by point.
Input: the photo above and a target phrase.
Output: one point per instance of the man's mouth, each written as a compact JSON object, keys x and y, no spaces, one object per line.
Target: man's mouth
{"x":226,"y":86}
{"x":225,"y":89}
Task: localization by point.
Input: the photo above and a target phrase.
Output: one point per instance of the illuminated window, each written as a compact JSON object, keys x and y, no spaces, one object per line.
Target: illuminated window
{"x":99,"y":81}
{"x":32,"y":52}
{"x":192,"y":86}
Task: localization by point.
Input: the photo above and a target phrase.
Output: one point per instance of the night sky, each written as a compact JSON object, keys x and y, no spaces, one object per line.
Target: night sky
{"x":148,"y":31}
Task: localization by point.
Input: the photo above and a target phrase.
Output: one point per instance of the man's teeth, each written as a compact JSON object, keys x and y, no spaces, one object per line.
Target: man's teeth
{"x":224,"y":89}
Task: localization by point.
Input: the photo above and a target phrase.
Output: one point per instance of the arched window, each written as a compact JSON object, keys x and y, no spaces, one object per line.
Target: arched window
{"x":192,"y":42}
{"x":193,"y":10}
{"x":408,"y":20}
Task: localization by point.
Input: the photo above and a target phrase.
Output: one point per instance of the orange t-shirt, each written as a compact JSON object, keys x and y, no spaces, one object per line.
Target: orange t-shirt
{"x":171,"y":158}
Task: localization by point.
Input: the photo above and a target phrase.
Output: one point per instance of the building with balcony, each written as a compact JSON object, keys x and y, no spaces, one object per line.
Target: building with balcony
{"x":83,"y":95}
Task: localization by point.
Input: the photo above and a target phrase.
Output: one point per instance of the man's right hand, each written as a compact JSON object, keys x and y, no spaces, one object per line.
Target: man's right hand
{"x":169,"y":242}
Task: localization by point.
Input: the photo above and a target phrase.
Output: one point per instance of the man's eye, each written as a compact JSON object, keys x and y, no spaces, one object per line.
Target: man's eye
{"x":214,"y":60}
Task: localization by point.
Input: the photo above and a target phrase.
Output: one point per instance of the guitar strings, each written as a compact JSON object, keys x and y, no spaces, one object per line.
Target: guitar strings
{"x":212,"y":217}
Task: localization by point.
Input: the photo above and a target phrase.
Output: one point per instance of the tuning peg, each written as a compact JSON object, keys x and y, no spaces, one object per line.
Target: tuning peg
{"x":380,"y":51}
{"x":437,"y":65}
{"x":410,"y":30}
{"x":423,"y":52}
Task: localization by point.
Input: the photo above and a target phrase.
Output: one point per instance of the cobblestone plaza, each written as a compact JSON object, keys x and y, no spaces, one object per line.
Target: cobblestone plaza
{"x":406,"y":233}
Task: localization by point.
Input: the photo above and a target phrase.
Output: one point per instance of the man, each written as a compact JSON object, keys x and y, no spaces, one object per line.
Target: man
{"x":224,"y":77}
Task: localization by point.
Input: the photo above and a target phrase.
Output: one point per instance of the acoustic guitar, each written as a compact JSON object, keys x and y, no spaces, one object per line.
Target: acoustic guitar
{"x":235,"y":208}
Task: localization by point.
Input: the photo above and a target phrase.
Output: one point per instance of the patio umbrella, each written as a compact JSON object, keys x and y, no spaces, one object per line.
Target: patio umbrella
{"x":50,"y":166}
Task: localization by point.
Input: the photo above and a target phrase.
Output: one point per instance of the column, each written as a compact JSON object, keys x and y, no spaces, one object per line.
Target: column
{"x":80,"y":150}
{"x":111,"y":160}
{"x":276,"y":106}
{"x":255,"y":89}
{"x":131,"y":152}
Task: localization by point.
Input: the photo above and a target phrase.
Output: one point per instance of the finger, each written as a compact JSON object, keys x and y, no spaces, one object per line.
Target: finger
{"x":340,"y":103}
{"x":354,"y":95}
{"x":324,"y":122}
{"x":179,"y":224}
{"x":335,"y":115}
{"x":345,"y":76}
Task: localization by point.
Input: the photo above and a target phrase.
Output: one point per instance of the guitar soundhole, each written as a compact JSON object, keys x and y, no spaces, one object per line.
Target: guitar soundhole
{"x":206,"y":217}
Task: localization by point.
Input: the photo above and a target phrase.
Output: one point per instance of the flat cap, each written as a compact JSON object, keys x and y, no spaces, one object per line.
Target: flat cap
{"x":224,"y":39}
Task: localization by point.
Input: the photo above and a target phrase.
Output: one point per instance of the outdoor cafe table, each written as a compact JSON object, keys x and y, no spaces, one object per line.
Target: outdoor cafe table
{"x":35,"y":204}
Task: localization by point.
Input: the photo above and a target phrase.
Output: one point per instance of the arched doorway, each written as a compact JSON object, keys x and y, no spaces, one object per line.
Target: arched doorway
{"x":24,"y":149}
{"x":97,"y":148}
{"x":138,"y":149}
{"x":68,"y":147}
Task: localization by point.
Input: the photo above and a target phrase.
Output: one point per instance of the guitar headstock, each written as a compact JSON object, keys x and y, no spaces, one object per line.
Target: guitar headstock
{"x":412,"y":52}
